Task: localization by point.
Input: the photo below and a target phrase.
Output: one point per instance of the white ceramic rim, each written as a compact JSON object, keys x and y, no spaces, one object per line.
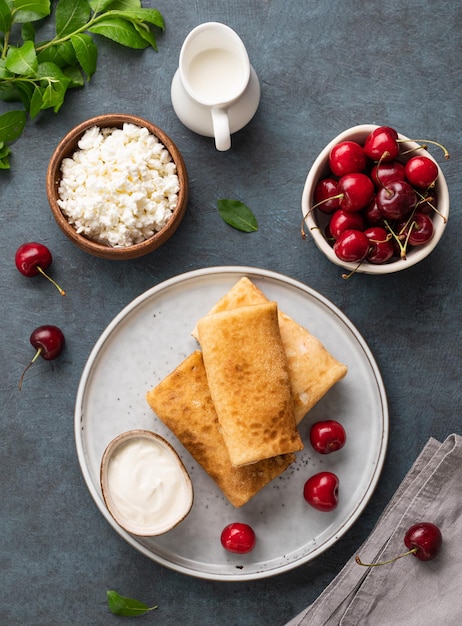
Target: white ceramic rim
{"x":272,"y":279}
{"x":243,"y":54}
{"x":358,"y":133}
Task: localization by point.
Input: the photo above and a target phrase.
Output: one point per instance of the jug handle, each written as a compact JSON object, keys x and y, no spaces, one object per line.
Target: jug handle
{"x":221,"y":129}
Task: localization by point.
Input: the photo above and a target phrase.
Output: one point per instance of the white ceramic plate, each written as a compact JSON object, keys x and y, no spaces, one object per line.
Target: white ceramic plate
{"x":147,"y":340}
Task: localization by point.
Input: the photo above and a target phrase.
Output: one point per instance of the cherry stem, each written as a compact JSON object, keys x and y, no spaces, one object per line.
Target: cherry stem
{"x":421,"y":147}
{"x":384,"y":156}
{"x":400,"y":556}
{"x":423,"y":199}
{"x":434,"y":143}
{"x":61,"y":291}
{"x":353,"y":271}
{"x":315,"y":206}
{"x":36,"y":356}
{"x":402,"y":247}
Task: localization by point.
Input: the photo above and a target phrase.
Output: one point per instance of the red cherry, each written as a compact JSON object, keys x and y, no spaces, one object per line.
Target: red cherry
{"x":325,"y":195}
{"x":321,"y":491}
{"x":396,"y":200}
{"x":383,"y":173}
{"x":347,"y":157}
{"x":372,"y":214}
{"x":48,"y":341}
{"x":356,"y":190}
{"x":417,"y":230}
{"x":344,"y":220}
{"x":351,"y":246}
{"x":238,"y":537}
{"x":423,"y":541}
{"x":381,"y":247}
{"x":421,"y":172}
{"x":34,"y":258}
{"x":381,"y":144}
{"x":327,"y":436}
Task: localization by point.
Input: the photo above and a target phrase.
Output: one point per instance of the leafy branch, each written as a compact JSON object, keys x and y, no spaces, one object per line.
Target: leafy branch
{"x":38,"y":74}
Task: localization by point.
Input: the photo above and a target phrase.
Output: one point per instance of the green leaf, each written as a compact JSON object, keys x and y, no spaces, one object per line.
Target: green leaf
{"x":4,"y":73}
{"x":61,"y":54}
{"x":22,"y":60}
{"x":145,"y":32}
{"x":99,"y":6}
{"x":11,"y":125}
{"x":5,"y":17}
{"x":30,"y":10}
{"x":74,"y":75}
{"x":86,"y":52}
{"x":71,"y":15}
{"x":28,"y":32}
{"x":237,"y":215}
{"x":5,"y":151}
{"x":119,"y":30}
{"x":128,"y":607}
{"x":55,"y":84}
{"x":36,"y":102}
{"x":116,"y":4}
{"x":152,"y":16}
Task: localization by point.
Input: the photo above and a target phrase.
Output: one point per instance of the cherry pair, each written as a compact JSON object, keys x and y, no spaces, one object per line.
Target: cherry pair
{"x":32,"y":259}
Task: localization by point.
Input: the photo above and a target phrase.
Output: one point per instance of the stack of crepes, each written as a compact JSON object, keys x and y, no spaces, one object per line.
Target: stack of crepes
{"x":235,"y":403}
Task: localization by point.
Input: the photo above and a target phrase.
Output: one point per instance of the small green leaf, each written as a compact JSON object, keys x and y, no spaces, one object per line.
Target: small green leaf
{"x":71,"y":15}
{"x":61,"y":54}
{"x":116,"y":4}
{"x":30,"y":10}
{"x":11,"y":125}
{"x":86,"y":52}
{"x":152,"y":16}
{"x":22,"y":60}
{"x":55,"y":84}
{"x":128,"y":607}
{"x":5,"y":151}
{"x":146,"y":34}
{"x":237,"y":215}
{"x":36,"y":102}
{"x":5,"y":17}
{"x":99,"y":6}
{"x":119,"y":30}
{"x":74,"y":75}
{"x":28,"y":32}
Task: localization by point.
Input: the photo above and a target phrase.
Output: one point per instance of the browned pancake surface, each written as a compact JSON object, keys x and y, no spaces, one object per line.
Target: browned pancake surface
{"x":183,"y":402}
{"x":249,"y":382}
{"x":313,"y":370}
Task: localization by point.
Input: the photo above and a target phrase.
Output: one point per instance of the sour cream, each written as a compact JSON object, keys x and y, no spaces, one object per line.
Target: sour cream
{"x":146,"y":486}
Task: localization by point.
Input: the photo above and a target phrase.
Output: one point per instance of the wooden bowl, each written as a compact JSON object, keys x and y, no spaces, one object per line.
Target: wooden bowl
{"x":69,"y":144}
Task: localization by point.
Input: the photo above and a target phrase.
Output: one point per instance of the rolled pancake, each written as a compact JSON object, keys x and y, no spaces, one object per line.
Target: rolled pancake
{"x":249,"y":382}
{"x":313,"y":370}
{"x":182,"y":401}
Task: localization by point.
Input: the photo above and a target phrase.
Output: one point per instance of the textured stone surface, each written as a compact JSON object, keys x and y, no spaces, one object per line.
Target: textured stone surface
{"x":323,"y":66}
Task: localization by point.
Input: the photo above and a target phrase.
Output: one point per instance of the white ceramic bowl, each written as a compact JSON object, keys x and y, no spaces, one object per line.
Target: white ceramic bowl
{"x":315,"y":221}
{"x":146,"y":487}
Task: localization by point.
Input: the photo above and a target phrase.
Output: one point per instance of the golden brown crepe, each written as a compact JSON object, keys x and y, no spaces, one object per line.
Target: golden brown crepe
{"x":249,"y":382}
{"x":313,"y":370}
{"x":182,"y":401}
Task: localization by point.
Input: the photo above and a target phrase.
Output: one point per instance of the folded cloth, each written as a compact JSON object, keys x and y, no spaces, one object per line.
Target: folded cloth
{"x":407,"y":592}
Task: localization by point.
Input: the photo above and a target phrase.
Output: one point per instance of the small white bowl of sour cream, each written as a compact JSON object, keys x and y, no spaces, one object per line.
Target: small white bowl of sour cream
{"x":144,"y":483}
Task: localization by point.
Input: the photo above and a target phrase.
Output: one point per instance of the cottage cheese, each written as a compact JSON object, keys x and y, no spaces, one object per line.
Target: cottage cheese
{"x":120,"y":187}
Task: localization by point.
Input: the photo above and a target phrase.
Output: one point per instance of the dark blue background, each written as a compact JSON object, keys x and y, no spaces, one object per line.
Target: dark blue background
{"x":323,"y":67}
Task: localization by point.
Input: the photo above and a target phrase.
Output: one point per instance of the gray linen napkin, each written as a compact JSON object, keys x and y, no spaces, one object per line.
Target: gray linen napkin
{"x":407,"y":592}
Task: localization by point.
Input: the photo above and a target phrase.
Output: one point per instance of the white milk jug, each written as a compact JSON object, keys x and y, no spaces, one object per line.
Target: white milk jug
{"x":215,"y":91}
